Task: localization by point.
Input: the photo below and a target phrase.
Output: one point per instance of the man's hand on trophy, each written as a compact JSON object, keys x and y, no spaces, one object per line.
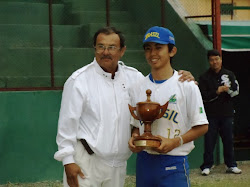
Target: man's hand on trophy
{"x":167,"y":144}
{"x":132,"y":146}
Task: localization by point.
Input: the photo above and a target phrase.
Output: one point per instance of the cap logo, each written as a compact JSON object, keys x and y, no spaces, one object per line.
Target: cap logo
{"x":152,"y":34}
{"x":171,"y":38}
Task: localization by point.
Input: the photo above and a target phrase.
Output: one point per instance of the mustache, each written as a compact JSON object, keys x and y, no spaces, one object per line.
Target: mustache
{"x":106,"y":57}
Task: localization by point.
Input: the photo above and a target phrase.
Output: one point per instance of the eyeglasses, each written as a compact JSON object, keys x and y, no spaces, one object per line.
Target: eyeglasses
{"x":102,"y":48}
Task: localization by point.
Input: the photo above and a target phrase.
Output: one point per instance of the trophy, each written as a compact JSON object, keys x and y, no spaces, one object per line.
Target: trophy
{"x":147,"y":112}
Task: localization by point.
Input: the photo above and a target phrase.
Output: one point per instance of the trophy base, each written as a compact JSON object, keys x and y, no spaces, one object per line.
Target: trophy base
{"x":147,"y":141}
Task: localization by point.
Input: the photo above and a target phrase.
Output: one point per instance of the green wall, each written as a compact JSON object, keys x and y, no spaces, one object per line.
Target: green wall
{"x":28,"y":127}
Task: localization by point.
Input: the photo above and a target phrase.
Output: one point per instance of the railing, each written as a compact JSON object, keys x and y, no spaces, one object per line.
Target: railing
{"x":51,"y":45}
{"x":51,"y":48}
{"x":51,"y":61}
{"x":214,"y":16}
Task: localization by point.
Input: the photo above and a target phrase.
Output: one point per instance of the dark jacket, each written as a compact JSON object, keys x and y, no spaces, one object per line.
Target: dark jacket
{"x":218,"y":105}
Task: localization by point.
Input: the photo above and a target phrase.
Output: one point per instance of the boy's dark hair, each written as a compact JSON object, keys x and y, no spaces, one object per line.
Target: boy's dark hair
{"x":110,"y":30}
{"x":213,"y":52}
{"x":170,"y":47}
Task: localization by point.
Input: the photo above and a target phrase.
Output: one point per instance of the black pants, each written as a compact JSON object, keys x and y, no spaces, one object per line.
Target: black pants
{"x":224,"y":127}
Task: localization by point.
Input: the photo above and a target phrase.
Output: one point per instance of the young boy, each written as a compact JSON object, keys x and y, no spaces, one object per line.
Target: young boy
{"x":184,"y":121}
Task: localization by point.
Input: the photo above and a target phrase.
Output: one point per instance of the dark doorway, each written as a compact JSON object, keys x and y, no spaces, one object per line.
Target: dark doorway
{"x":239,"y":63}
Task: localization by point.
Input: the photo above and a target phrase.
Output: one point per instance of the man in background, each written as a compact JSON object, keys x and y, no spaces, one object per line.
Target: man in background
{"x":219,"y":87}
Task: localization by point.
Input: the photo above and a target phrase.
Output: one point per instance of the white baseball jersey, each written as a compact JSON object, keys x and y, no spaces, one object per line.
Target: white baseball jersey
{"x":184,"y":111}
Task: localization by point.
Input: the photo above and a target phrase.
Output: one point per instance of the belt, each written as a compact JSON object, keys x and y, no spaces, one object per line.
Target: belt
{"x":86,"y":146}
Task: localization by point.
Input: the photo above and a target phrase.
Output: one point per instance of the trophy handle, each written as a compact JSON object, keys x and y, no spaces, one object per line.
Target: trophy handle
{"x":132,"y":109}
{"x":163,"y":110}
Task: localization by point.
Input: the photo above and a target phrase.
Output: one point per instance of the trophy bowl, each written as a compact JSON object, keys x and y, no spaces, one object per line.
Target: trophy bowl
{"x":147,"y":112}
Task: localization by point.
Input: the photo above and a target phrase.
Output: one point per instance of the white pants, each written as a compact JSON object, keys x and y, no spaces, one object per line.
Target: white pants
{"x":97,"y":173}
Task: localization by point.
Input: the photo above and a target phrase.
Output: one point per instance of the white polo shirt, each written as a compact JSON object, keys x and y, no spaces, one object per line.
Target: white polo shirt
{"x":95,"y":107}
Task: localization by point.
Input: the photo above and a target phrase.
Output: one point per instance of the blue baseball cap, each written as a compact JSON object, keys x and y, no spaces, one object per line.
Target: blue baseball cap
{"x":159,"y":35}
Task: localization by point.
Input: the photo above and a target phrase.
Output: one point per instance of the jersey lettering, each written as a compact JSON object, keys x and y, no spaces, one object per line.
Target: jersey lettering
{"x":171,"y":115}
{"x":176,"y":133}
{"x":225,"y":80}
{"x":152,"y":34}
